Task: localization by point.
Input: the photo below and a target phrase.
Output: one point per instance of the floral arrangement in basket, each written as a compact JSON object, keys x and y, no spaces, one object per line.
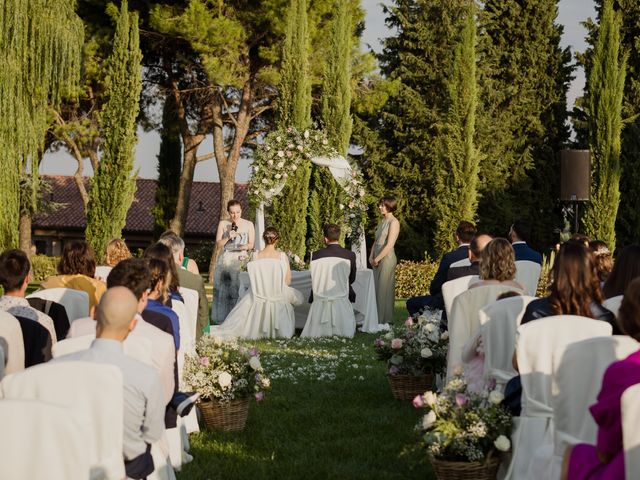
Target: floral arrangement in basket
{"x":415,"y":347}
{"x":461,"y":425}
{"x":295,"y":262}
{"x":224,"y":370}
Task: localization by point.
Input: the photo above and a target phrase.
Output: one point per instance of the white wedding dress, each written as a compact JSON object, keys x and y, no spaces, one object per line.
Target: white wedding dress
{"x":266,"y":311}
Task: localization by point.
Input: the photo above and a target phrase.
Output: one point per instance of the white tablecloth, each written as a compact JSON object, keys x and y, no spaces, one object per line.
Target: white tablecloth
{"x":364,"y":306}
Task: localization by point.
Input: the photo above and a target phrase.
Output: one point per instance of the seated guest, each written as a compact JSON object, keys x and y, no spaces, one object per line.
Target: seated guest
{"x":519,"y":234}
{"x":186,"y":263}
{"x":625,"y":269}
{"x":475,"y":249}
{"x":463,"y":235}
{"x":14,"y":278}
{"x":188,"y":278}
{"x":163,"y":252}
{"x":497,"y":265}
{"x":605,"y":459}
{"x":158,"y":296}
{"x":603,"y":259}
{"x":117,"y":251}
{"x":77,"y":268}
{"x":143,"y":399}
{"x":333,"y":249}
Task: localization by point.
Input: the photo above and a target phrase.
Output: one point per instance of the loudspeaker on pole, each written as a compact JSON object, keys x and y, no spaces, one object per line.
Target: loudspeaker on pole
{"x":575,"y":175}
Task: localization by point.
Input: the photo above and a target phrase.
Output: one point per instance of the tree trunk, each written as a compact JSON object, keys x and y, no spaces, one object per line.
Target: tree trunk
{"x":24,"y":232}
{"x":179,"y":221}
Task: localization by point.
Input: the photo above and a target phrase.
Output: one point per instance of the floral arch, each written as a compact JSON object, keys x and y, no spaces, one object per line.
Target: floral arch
{"x":284,"y":151}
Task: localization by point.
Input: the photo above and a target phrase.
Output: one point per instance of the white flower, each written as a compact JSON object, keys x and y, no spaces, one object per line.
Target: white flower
{"x":429,"y":327}
{"x":388,"y":335}
{"x":341,"y":207}
{"x":255,"y":169}
{"x":224,"y":379}
{"x":361,"y":192}
{"x":502,"y":443}
{"x":444,"y":336}
{"x":430,"y":398}
{"x":278,"y":139}
{"x":280,"y":165}
{"x":277,"y":176}
{"x":428,"y":420}
{"x":324,"y":141}
{"x":426,"y":352}
{"x":306,"y":134}
{"x":265,"y":181}
{"x":280,"y":153}
{"x":272,"y":190}
{"x":496,"y":397}
{"x":254,"y":362}
{"x":294,"y":167}
{"x":285,"y":175}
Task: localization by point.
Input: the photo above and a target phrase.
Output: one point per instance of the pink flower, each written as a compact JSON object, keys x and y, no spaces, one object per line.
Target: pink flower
{"x":379,"y":342}
{"x":461,"y":399}
{"x":253,"y":352}
{"x":396,"y":343}
{"x":204,"y":361}
{"x":393,"y":370}
{"x":418,"y":401}
{"x":409,"y":322}
{"x":259,"y":396}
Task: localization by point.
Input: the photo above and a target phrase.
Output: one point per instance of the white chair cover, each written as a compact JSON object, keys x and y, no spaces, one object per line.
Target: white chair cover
{"x":75,"y":302}
{"x":1,"y":361}
{"x":135,"y":347}
{"x":630,"y":431}
{"x":42,"y":441}
{"x":528,"y":274}
{"x":331,"y":313}
{"x":613,"y":304}
{"x":93,"y":392}
{"x":500,"y":320}
{"x":578,"y":380}
{"x":191,"y":302}
{"x":102,"y":272}
{"x":12,"y":342}
{"x":465,"y":262}
{"x":465,"y":319}
{"x":453,"y":288}
{"x":187,"y":336}
{"x":540,"y":345}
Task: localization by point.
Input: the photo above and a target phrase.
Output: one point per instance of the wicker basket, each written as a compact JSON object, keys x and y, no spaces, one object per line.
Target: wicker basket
{"x":406,"y":387}
{"x":227,"y":417}
{"x":446,"y":470}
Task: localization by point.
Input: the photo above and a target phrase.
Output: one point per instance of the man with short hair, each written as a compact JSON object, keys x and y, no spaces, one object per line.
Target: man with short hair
{"x":519,"y":234}
{"x":475,"y":250}
{"x":333,"y":249}
{"x":144,"y":405}
{"x":15,"y":275}
{"x":463,"y":235}
{"x":188,"y":279}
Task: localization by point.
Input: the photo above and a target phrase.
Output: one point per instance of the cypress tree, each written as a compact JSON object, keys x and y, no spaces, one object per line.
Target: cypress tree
{"x":169,"y":167}
{"x":40,"y":46}
{"x":289,"y":210}
{"x":456,"y":178}
{"x":604,"y":98}
{"x":113,"y":186}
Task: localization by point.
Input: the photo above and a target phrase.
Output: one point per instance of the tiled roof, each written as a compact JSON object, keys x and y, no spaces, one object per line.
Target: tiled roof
{"x":202,"y":219}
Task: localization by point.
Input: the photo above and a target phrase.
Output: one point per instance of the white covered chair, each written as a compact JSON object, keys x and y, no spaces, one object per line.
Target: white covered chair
{"x":630,"y":432}
{"x":464,"y":320}
{"x":42,"y":441}
{"x":75,"y":302}
{"x":102,"y":272}
{"x":613,"y":304}
{"x":453,"y":288}
{"x":331,"y":312}
{"x":191,"y":299}
{"x":134,"y":346}
{"x":540,"y":346}
{"x":465,"y":262}
{"x":12,"y":343}
{"x":578,"y":380}
{"x":94,"y":392}
{"x":500,"y":321}
{"x":528,"y":274}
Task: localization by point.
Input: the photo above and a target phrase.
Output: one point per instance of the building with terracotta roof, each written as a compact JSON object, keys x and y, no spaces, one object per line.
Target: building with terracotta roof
{"x":51,"y":230}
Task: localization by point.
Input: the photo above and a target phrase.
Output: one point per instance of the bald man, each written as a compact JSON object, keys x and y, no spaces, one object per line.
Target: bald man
{"x":476,"y":246}
{"x":144,"y":405}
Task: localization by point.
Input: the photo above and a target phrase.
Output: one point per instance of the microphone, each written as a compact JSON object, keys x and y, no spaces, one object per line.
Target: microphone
{"x":234,"y":227}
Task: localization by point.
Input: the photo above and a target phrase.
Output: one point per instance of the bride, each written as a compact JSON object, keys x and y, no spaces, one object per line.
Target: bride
{"x":267,"y":310}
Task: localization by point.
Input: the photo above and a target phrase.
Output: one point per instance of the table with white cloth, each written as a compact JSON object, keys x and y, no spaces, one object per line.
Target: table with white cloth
{"x":364,"y":306}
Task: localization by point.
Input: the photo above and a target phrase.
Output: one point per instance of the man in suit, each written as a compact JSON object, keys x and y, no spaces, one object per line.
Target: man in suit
{"x":333,"y":249}
{"x":475,"y":250}
{"x":463,"y":235}
{"x":519,"y":234}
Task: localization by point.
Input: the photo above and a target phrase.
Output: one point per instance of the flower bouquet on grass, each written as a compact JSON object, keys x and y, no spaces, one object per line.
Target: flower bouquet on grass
{"x":464,"y":432}
{"x":226,"y":375}
{"x":415,"y":352}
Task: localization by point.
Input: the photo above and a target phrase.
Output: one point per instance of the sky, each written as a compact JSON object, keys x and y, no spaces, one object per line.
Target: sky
{"x":570,"y":14}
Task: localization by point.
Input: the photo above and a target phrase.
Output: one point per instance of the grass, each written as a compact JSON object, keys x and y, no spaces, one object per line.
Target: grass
{"x":329,"y":415}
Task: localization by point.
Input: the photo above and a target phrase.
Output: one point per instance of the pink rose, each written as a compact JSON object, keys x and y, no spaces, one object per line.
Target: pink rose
{"x":461,"y":399}
{"x":409,"y":322}
{"x":259,"y":396}
{"x":204,"y":361}
{"x":379,"y":342}
{"x":396,"y":343}
{"x":253,"y":352}
{"x":418,"y":401}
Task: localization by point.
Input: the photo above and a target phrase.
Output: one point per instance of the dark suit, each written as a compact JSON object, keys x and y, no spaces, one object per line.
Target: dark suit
{"x":435,"y":300}
{"x":459,"y":272}
{"x":525,"y":252}
{"x":335,"y":250}
{"x":37,"y":342}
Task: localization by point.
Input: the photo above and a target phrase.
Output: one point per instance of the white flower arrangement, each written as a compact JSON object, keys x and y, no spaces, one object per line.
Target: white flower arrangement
{"x":295,"y":262}
{"x":223,"y":371}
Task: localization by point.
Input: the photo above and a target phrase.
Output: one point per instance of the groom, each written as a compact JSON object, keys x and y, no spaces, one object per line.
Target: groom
{"x":333,"y":249}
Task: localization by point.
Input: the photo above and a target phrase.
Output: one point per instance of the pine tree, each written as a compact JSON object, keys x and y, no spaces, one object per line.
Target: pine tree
{"x":40,"y":46}
{"x":169,"y":167}
{"x":456,"y":179}
{"x":604,"y":97}
{"x":113,"y":186}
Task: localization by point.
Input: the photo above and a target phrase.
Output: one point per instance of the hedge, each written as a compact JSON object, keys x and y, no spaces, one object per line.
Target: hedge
{"x":42,"y":267}
{"x":413,"y":278}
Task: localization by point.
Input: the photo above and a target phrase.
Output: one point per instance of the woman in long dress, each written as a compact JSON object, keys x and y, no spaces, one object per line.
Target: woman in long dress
{"x":234,"y":237}
{"x":267,"y":309}
{"x":383,"y":259}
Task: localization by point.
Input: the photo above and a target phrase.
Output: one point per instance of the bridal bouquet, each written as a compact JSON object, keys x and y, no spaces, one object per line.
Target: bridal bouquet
{"x":224,"y":371}
{"x":461,"y":425}
{"x":415,"y":347}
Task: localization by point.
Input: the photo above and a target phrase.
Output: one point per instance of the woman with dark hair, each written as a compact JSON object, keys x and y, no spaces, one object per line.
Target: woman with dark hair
{"x":625,"y":269}
{"x":160,"y":251}
{"x":498,"y":265}
{"x":383,"y":259}
{"x":574,"y":290}
{"x":603,"y":258}
{"x":605,"y":460}
{"x":76,"y":269}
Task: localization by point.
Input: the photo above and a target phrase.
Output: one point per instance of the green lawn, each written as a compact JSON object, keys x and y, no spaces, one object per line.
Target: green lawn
{"x":330,"y":414}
